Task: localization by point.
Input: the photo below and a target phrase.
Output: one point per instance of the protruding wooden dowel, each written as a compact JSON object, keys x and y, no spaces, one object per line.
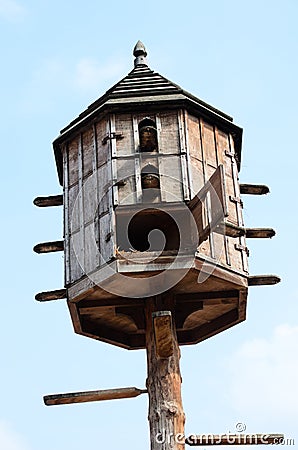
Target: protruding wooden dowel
{"x":234,"y":439}
{"x":231,"y":230}
{"x":257,"y":233}
{"x":51,"y":295}
{"x":163,"y":333}
{"x":92,"y":396}
{"x":49,"y":247}
{"x":254,"y":189}
{"x":263,"y":280}
{"x":51,"y":200}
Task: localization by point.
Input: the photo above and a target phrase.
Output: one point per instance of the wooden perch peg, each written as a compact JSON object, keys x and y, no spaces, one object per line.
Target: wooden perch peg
{"x":163,"y":333}
{"x":92,"y":396}
{"x":234,"y":439}
{"x":263,"y":280}
{"x":260,"y":233}
{"x":231,"y":230}
{"x":49,"y":247}
{"x":254,"y":189}
{"x":52,"y":200}
{"x":51,"y":295}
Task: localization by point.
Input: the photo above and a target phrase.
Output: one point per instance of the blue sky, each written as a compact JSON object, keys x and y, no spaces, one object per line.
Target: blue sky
{"x":57,"y":57}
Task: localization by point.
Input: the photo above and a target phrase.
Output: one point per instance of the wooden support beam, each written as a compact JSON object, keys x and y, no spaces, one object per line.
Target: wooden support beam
{"x":231,"y":230}
{"x":263,"y":280}
{"x":234,"y":439}
{"x":92,"y":396}
{"x":52,"y":200}
{"x":256,"y":233}
{"x":51,"y":295}
{"x":49,"y":247}
{"x":254,"y":189}
{"x":163,"y":333}
{"x":166,"y":416}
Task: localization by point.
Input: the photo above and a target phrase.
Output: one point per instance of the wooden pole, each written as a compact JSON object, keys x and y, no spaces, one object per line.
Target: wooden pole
{"x":166,"y":416}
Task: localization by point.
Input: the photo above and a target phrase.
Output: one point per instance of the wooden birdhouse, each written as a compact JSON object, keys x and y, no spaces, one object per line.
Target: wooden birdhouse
{"x":152,"y":207}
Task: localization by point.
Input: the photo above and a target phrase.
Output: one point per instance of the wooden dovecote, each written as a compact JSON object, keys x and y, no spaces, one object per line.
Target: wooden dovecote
{"x":152,"y":207}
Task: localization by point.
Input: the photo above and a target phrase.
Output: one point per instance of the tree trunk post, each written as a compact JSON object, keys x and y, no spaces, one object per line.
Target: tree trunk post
{"x":166,"y":416}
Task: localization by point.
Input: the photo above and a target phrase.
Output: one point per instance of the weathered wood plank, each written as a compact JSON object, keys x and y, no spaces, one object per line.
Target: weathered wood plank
{"x":49,"y":247}
{"x":234,"y":439}
{"x":263,"y":280}
{"x":51,"y":200}
{"x":51,"y":295}
{"x":93,"y":396}
{"x":254,"y":189}
{"x":169,"y":141}
{"x":123,"y":126}
{"x":87,"y":151}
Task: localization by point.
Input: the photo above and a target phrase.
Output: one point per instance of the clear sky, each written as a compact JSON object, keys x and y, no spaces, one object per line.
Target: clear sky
{"x":59,"y":56}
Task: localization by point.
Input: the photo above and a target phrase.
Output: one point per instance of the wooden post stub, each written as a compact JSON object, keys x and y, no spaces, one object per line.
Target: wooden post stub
{"x":263,"y":280}
{"x":51,"y":200}
{"x":51,"y":295}
{"x":166,"y":416}
{"x":260,"y":233}
{"x":254,"y":189}
{"x":92,"y":396}
{"x":231,"y":230}
{"x":163,"y":333}
{"x":49,"y":247}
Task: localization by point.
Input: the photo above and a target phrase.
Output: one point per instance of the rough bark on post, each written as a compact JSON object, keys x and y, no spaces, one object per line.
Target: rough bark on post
{"x":166,"y":416}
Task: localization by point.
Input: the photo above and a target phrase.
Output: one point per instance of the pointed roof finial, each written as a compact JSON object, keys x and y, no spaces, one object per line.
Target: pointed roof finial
{"x":140,"y":53}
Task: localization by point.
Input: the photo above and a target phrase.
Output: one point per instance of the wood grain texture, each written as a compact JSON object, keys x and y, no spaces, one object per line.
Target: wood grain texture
{"x":51,"y":200}
{"x":51,"y":295}
{"x":92,"y":396}
{"x":263,"y":280}
{"x":166,"y":416}
{"x":49,"y":247}
{"x":254,"y":189}
{"x":162,"y":321}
